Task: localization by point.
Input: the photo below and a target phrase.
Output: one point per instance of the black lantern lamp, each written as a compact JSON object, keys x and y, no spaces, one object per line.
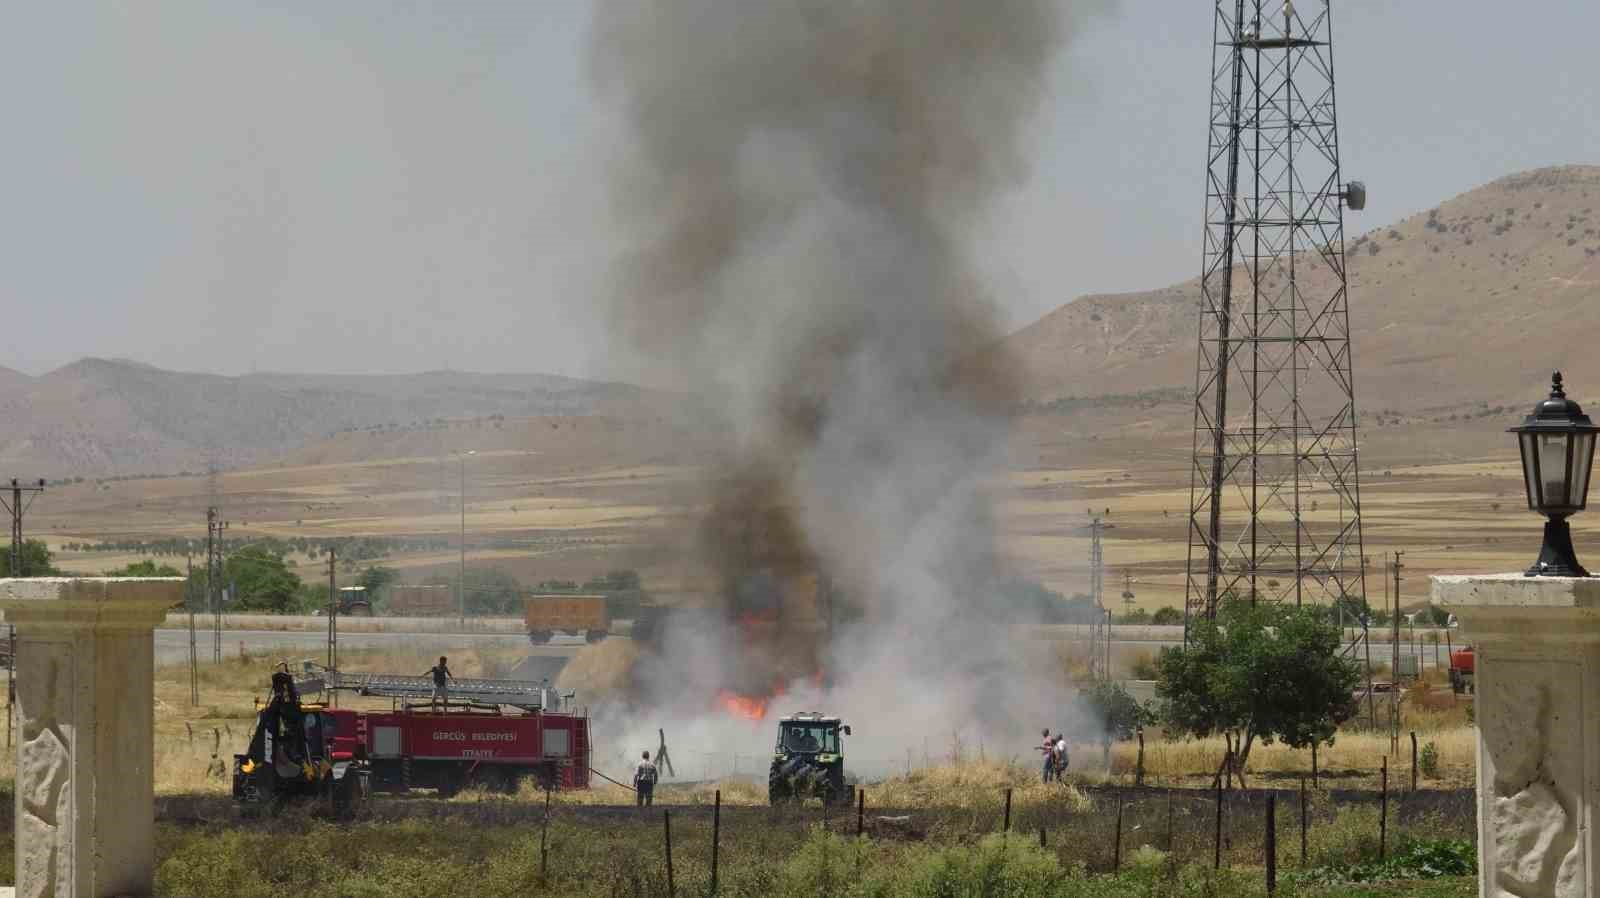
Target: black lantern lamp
{"x":1557,"y":443}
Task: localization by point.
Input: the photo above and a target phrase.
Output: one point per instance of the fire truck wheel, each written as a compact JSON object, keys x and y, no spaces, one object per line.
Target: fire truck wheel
{"x":539,"y":637}
{"x":545,"y":777}
{"x":592,"y":636}
{"x":449,"y":785}
{"x":493,"y":779}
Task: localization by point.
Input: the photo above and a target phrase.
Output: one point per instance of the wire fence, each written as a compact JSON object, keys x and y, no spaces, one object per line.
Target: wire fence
{"x":1266,"y":830}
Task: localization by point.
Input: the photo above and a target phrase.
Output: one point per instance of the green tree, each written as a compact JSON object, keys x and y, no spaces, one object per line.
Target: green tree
{"x":1433,"y":616}
{"x":1259,"y":673}
{"x":376,"y":578}
{"x":260,"y":580}
{"x":1167,"y":616}
{"x":1136,"y":617}
{"x":1120,"y":713}
{"x":145,"y":568}
{"x":35,"y":560}
{"x":311,"y":598}
{"x":489,"y":590}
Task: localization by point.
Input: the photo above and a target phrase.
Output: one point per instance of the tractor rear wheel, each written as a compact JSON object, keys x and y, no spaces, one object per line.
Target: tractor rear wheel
{"x":834,"y":790}
{"x":778,"y":790}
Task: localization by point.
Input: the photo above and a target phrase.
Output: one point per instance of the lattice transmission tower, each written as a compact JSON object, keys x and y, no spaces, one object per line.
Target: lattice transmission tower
{"x":1275,"y":506}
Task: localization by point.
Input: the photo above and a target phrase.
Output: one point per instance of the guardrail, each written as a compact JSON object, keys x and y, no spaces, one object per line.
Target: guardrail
{"x":350,"y":623}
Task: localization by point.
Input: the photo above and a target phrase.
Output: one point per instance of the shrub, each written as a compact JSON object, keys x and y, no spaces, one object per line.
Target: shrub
{"x":1428,"y":761}
{"x":1144,"y":667}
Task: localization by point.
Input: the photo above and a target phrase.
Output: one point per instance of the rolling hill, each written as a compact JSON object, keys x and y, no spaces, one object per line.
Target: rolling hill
{"x":1467,"y":303}
{"x":1455,"y":311}
{"x":101,"y":416}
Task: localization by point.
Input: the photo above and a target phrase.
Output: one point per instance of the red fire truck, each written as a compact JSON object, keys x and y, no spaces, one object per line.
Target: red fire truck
{"x":414,"y":747}
{"x":491,"y":733}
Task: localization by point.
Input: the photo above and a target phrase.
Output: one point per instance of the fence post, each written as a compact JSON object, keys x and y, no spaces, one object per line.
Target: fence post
{"x":716,"y":837}
{"x":1138,"y":770}
{"x":1303,"y":821}
{"x":544,"y":832}
{"x":1116,"y":848}
{"x":1313,"y":763}
{"x":1216,"y":861}
{"x":861,"y":811}
{"x":1383,"y":810}
{"x":1008,"y":811}
{"x":1169,"y":820}
{"x":1041,"y":836}
{"x":666,"y":827}
{"x":1413,"y":760}
{"x":1272,"y":843}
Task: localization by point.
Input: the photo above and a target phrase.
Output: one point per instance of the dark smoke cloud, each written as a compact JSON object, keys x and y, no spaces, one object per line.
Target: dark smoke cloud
{"x":802,"y":181}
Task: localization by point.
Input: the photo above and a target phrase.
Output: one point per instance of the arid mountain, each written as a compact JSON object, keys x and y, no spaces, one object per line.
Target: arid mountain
{"x":1456,"y":312}
{"x":1467,"y":303}
{"x":99,"y":416}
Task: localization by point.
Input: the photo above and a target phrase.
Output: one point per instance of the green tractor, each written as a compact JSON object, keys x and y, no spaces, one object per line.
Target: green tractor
{"x":809,"y":760}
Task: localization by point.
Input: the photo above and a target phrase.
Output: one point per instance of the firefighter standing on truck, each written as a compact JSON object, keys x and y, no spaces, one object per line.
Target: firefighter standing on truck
{"x":644,"y":783}
{"x":441,"y":677}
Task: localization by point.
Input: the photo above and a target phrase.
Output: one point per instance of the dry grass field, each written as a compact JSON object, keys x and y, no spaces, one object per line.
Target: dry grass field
{"x":1449,"y":497}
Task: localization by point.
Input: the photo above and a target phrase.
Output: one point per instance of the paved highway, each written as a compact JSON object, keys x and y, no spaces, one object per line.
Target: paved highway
{"x":172,"y":646}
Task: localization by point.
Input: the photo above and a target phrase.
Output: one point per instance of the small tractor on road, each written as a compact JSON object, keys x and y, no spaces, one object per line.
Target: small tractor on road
{"x":1463,"y":664}
{"x":809,"y":760}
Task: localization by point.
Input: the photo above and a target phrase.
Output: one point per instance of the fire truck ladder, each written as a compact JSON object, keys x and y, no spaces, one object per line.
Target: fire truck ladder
{"x":514,"y":693}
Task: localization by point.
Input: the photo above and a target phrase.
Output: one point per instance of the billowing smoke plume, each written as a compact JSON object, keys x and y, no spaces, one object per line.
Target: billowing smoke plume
{"x":802,"y":180}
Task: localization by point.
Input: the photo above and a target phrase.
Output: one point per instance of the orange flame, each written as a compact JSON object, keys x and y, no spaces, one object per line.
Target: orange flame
{"x":748,"y":707}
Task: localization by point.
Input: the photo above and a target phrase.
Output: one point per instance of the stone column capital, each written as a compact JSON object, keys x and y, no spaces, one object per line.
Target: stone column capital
{"x":85,"y":668}
{"x":92,"y":604}
{"x":1513,"y":608}
{"x":1537,"y":660}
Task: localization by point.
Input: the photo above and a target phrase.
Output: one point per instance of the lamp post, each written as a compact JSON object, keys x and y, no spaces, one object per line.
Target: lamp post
{"x":1557,"y":444}
{"x":461,"y":573}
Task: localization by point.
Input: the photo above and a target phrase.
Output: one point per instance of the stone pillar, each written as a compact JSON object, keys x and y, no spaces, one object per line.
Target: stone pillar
{"x":85,"y":665}
{"x":1537,"y":645}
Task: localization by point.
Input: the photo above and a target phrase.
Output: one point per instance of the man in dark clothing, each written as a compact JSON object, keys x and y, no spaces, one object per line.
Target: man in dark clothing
{"x":644,"y":783}
{"x":441,"y":677}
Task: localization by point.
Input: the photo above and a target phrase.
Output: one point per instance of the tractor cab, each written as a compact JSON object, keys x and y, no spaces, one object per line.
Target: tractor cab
{"x":808,"y":759}
{"x":299,"y":751}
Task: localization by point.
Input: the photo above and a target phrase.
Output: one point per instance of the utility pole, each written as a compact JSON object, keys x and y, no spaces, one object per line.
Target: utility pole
{"x":333,"y":611}
{"x":17,"y":510}
{"x":1394,"y":692}
{"x":194,"y":654}
{"x":461,"y":574}
{"x":1366,"y":643}
{"x":214,"y":529}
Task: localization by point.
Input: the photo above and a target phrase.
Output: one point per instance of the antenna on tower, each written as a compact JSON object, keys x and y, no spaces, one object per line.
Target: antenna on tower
{"x":1275,"y":503}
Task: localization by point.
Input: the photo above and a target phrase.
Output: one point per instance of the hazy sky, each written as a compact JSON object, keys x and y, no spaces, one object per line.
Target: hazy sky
{"x":389,"y":187}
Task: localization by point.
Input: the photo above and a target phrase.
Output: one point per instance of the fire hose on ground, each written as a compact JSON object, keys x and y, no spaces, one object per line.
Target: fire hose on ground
{"x":610,"y":780}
